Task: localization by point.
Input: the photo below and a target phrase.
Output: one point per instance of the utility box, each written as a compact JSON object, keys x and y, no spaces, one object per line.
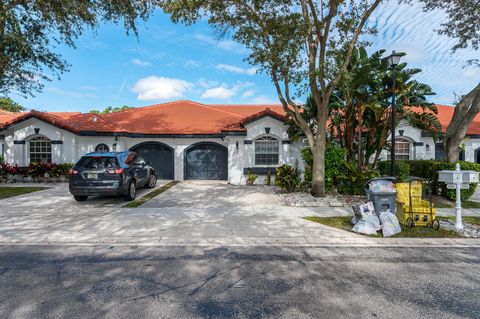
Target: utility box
{"x":381,"y":191}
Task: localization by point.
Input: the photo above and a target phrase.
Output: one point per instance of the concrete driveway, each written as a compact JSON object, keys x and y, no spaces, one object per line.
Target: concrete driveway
{"x":190,"y":213}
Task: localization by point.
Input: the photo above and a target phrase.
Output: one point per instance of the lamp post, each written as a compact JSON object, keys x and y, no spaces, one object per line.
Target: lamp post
{"x":393,"y":60}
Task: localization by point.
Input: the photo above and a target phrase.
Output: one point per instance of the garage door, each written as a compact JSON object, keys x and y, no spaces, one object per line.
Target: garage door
{"x":159,"y":155}
{"x":206,"y":161}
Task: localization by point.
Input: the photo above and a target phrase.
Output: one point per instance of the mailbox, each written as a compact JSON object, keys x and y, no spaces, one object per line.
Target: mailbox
{"x":469,"y":177}
{"x":450,"y":176}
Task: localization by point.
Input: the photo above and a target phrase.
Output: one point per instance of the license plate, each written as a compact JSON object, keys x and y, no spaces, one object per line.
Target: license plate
{"x":92,"y":175}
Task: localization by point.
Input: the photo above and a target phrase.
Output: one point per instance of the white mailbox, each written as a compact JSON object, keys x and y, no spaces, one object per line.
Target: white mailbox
{"x":458,"y":180}
{"x":450,"y":176}
{"x":469,"y":177}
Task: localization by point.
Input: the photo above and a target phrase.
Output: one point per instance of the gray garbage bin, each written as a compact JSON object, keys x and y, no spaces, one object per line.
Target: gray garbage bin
{"x":383,"y":197}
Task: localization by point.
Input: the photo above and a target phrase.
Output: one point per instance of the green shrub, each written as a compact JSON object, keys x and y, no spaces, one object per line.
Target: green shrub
{"x":2,"y":160}
{"x":268,"y":180}
{"x":287,"y":178}
{"x":353,"y":180}
{"x":402,"y":169}
{"x":251,"y":178}
{"x":334,"y":157}
{"x":428,"y":169}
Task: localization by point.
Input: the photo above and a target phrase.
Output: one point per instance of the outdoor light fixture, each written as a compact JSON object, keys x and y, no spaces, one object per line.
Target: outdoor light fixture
{"x":114,"y":147}
{"x":400,"y":132}
{"x":393,"y":60}
{"x":37,"y":130}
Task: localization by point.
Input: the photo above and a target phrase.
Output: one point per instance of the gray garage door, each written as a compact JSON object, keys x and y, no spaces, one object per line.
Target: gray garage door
{"x":206,"y":161}
{"x":159,"y":155}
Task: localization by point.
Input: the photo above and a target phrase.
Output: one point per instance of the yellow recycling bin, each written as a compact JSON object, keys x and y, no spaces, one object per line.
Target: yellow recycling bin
{"x":412,"y":209}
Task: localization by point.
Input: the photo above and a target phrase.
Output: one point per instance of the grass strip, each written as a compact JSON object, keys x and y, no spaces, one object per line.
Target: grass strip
{"x":6,"y":192}
{"x":344,"y":223}
{"x":142,"y":200}
{"x":474,"y":220}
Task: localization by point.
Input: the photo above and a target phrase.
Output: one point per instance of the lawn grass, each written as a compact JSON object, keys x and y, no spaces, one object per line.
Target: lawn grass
{"x":6,"y":192}
{"x":142,"y":200}
{"x":474,"y":220}
{"x":344,"y":223}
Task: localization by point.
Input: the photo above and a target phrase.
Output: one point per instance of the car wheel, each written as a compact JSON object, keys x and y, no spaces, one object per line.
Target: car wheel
{"x":80,"y":198}
{"x":131,"y":192}
{"x":152,"y":181}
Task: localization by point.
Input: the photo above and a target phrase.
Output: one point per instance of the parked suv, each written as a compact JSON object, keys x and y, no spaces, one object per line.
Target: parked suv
{"x":112,"y":173}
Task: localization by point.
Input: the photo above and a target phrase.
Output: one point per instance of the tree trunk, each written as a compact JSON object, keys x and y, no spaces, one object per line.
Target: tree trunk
{"x":452,"y":148}
{"x":463,"y":116}
{"x":318,"y":152}
{"x":318,"y":170}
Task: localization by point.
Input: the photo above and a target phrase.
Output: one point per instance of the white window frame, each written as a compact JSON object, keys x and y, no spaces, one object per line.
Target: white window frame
{"x":45,"y":148}
{"x":267,"y":139}
{"x":399,"y":152}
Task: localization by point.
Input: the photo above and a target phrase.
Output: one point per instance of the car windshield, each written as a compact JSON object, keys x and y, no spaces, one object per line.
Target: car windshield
{"x":93,"y":162}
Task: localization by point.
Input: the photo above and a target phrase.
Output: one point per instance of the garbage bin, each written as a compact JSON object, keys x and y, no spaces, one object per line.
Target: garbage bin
{"x":381,"y":191}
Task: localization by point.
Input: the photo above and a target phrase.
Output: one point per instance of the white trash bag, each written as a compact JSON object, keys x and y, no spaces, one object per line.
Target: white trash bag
{"x":373,"y":219}
{"x":390,"y":224}
{"x":364,"y":227}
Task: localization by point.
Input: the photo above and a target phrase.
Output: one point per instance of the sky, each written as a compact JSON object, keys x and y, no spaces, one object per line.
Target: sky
{"x":172,"y":61}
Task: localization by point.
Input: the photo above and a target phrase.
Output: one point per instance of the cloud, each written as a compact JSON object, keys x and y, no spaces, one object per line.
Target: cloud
{"x":262,"y":99}
{"x":161,"y":88}
{"x":236,"y":69}
{"x":248,"y":93}
{"x":227,"y":45}
{"x":224,"y":92}
{"x":140,"y":62}
{"x":220,"y":92}
{"x":206,"y":84}
{"x":191,"y":64}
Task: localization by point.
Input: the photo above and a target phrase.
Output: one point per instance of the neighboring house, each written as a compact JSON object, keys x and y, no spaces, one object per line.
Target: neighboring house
{"x":413,"y":143}
{"x":182,"y":140}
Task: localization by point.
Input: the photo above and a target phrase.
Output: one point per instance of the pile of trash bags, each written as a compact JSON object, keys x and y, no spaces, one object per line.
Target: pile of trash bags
{"x":366,"y":221}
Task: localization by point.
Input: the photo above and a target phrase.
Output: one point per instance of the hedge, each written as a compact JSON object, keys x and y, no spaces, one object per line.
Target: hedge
{"x":428,"y":169}
{"x":35,"y":170}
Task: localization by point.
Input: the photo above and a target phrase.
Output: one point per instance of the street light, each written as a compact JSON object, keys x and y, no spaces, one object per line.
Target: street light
{"x":393,"y":60}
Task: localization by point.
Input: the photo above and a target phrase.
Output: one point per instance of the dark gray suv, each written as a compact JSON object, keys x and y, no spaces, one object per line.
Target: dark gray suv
{"x":112,"y":173}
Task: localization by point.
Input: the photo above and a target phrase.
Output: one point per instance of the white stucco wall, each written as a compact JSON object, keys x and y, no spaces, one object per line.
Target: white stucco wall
{"x":240,"y":155}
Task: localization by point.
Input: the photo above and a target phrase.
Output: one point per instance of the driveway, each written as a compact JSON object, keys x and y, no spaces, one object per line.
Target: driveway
{"x":190,"y":213}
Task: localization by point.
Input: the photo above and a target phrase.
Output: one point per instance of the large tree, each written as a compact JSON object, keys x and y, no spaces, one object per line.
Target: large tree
{"x":31,"y":29}
{"x":462,"y":24}
{"x":360,"y":116}
{"x":10,"y":105}
{"x":303,"y":45}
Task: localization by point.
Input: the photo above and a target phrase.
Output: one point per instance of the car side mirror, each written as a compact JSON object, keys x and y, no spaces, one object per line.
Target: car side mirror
{"x":148,"y":163}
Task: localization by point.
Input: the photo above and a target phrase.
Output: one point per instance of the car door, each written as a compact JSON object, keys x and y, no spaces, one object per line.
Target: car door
{"x":141,"y":171}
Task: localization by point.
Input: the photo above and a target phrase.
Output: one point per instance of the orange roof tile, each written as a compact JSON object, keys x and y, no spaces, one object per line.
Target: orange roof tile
{"x":178,"y":117}
{"x":173,"y":118}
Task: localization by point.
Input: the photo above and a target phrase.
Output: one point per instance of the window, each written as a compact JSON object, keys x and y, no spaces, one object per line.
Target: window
{"x":402,"y":149}
{"x":102,"y":148}
{"x":266,"y":151}
{"x":40,"y":150}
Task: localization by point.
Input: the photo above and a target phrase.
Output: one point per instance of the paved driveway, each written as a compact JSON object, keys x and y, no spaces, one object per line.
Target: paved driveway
{"x":191,"y":213}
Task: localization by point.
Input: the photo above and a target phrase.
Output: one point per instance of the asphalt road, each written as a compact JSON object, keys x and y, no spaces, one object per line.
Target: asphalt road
{"x":248,"y":282}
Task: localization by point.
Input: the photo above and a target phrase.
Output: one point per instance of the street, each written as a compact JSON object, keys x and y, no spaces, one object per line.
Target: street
{"x":91,"y":281}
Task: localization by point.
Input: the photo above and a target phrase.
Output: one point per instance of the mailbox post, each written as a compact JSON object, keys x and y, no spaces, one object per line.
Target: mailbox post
{"x":458,"y":180}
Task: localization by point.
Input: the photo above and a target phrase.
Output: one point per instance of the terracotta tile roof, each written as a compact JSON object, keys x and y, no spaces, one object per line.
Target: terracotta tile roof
{"x":173,"y":118}
{"x":179,"y":117}
{"x":445,"y":114}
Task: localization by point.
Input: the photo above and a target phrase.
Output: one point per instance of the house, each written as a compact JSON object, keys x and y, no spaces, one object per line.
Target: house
{"x":182,"y":140}
{"x":188,"y":140}
{"x":413,"y":143}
